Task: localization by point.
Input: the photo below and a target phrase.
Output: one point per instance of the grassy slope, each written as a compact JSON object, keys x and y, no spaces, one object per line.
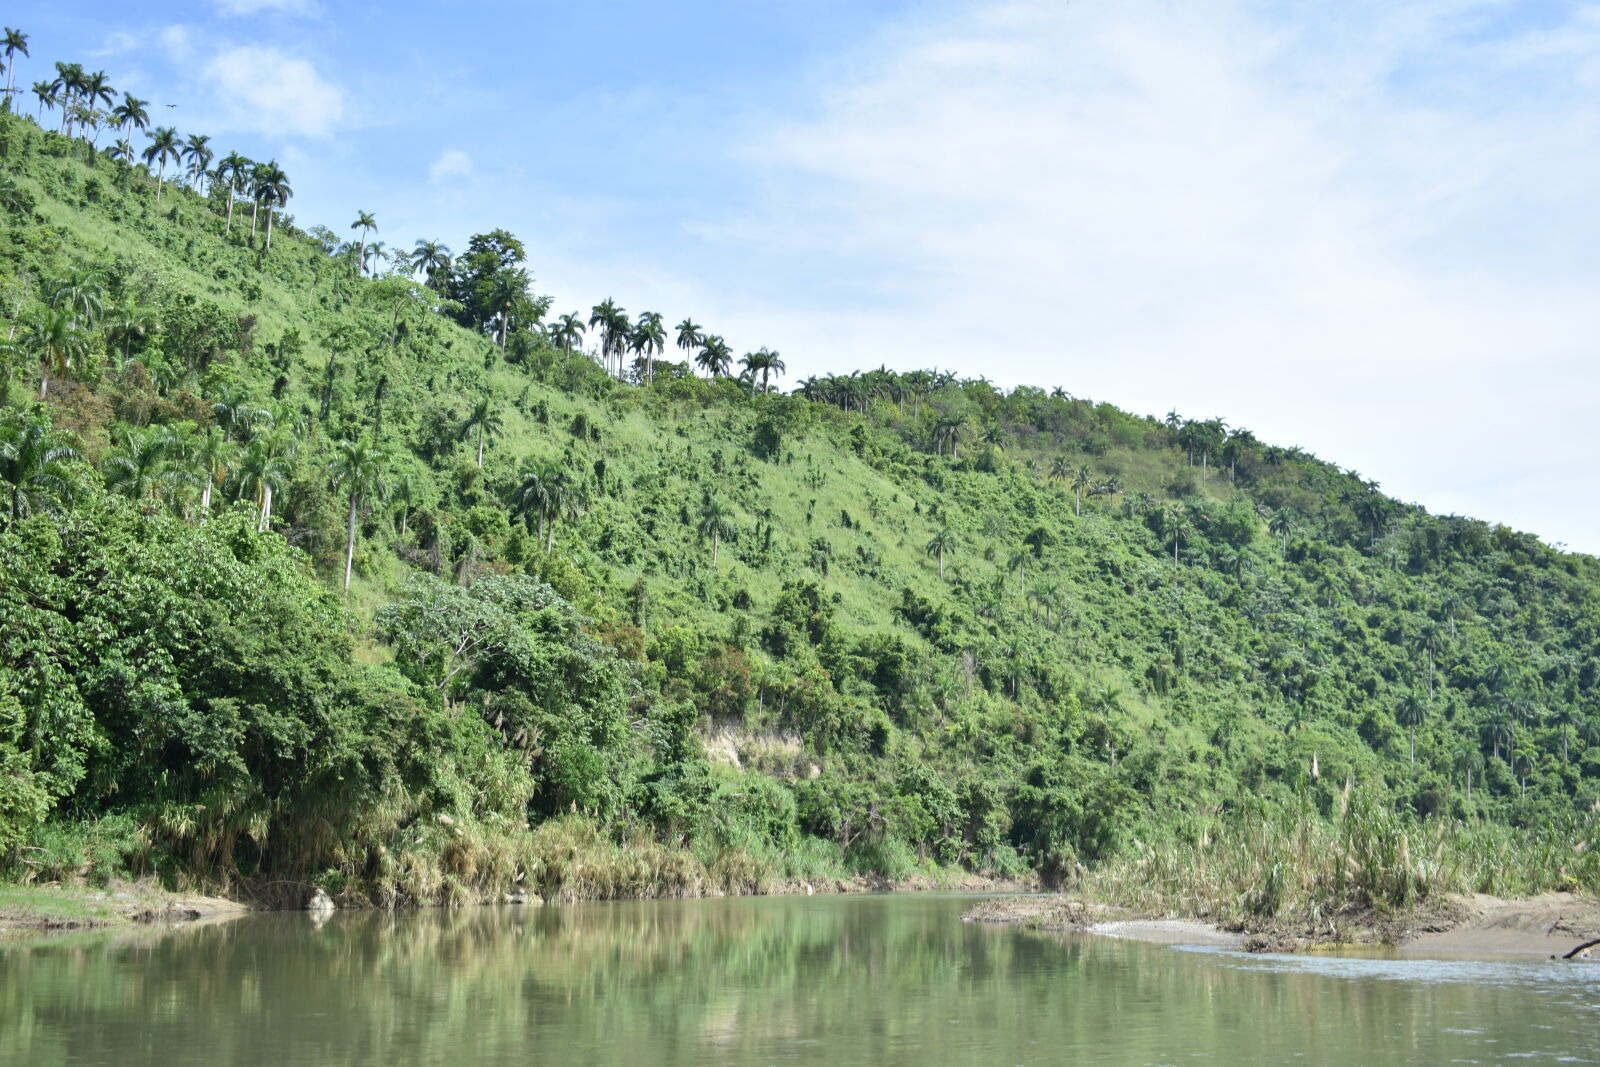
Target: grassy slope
{"x":1230,"y":726}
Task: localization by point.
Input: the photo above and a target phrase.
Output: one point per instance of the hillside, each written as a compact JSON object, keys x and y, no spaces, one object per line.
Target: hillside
{"x":674,"y":633}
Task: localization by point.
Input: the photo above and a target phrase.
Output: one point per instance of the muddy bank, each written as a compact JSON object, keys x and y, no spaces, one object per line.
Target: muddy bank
{"x":29,"y":909}
{"x":1552,"y":924}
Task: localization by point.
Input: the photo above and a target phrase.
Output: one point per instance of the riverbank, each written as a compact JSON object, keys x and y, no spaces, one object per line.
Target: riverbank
{"x":55,"y":908}
{"x":34,"y":909}
{"x":1551,"y":924}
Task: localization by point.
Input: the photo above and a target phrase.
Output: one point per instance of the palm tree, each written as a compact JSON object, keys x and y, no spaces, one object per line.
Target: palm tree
{"x":566,"y":499}
{"x":536,"y":492}
{"x":1082,"y":479}
{"x":568,"y":331}
{"x":648,"y":339}
{"x":715,"y":357}
{"x":230,"y":170}
{"x":507,"y":295}
{"x":1589,"y":731}
{"x":1564,"y":718}
{"x":942,"y":543}
{"x":197,"y":150}
{"x":358,"y":469}
{"x":130,"y":113}
{"x":137,"y":467}
{"x":262,"y":472}
{"x":46,"y":92}
{"x":714,"y":524}
{"x":690,"y":336}
{"x":367,"y":225}
{"x":271,"y":189}
{"x":35,"y":465}
{"x":432,"y":259}
{"x":128,"y":322}
{"x":236,"y":412}
{"x":14,"y":41}
{"x":122,"y":153}
{"x":1019,"y":560}
{"x":94,"y":89}
{"x":1523,"y":762}
{"x":1045,"y":593}
{"x":486,"y":420}
{"x":1410,"y":712}
{"x":763,"y":362}
{"x":405,"y":490}
{"x":1500,"y":730}
{"x":213,"y":453}
{"x":82,"y":293}
{"x":374,"y":253}
{"x":1282,"y":523}
{"x":55,"y":338}
{"x":1175,"y":526}
{"x":613,"y":323}
{"x":949,"y":427}
{"x":1469,"y":761}
{"x":69,"y":78}
{"x":163,"y":149}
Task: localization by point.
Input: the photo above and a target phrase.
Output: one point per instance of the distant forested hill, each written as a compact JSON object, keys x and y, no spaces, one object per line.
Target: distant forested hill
{"x":327,"y":562}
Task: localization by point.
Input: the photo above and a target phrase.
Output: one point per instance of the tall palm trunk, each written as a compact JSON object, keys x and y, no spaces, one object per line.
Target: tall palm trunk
{"x":205,"y":496}
{"x":230,"y":208}
{"x":161,"y":179}
{"x":255,"y":210}
{"x":350,"y":544}
{"x":266,"y":508}
{"x":269,"y":227}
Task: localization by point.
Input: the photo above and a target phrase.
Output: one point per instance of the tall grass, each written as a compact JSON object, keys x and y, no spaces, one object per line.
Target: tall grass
{"x":1292,"y":864}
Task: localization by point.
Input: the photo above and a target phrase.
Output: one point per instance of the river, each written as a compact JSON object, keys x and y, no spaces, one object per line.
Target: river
{"x":818,"y":980}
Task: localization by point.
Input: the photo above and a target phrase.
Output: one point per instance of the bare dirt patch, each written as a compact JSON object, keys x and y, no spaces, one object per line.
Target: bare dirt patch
{"x":1552,"y":924}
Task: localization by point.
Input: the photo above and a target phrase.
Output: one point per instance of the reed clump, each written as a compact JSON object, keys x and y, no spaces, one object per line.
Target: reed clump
{"x":1292,"y":864}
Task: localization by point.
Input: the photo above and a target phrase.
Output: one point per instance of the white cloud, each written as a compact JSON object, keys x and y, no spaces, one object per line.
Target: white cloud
{"x":452,"y":164}
{"x":265,"y":90}
{"x":178,"y":43}
{"x":253,"y":7}
{"x":1367,"y":231}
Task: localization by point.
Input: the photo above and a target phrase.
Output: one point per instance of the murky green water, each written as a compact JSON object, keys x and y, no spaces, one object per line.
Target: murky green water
{"x":851,"y":980}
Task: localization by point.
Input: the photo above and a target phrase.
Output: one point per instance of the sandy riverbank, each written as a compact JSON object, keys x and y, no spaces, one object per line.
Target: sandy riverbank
{"x":1551,"y":924}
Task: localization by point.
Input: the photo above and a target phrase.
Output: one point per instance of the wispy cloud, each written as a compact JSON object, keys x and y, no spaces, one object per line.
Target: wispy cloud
{"x":452,"y":165}
{"x":270,"y":92}
{"x":1367,"y":231}
{"x":255,"y":7}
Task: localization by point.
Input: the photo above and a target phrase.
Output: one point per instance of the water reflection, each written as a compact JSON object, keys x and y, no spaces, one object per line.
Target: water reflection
{"x":881,"y":980}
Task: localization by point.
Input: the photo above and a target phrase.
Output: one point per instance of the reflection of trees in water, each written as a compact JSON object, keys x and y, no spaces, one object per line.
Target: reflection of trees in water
{"x":894,"y":979}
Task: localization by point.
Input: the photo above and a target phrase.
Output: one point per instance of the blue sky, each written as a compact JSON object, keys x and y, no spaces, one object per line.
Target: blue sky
{"x":1366,"y":228}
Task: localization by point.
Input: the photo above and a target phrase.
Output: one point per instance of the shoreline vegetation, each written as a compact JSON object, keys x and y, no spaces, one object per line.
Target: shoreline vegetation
{"x":330,"y":567}
{"x":56,"y":908}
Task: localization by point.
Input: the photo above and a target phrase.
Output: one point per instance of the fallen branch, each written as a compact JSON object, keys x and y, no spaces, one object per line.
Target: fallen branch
{"x":1582,"y":948}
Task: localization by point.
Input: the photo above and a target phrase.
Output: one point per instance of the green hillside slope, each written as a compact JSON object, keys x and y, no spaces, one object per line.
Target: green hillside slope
{"x":675,"y":633}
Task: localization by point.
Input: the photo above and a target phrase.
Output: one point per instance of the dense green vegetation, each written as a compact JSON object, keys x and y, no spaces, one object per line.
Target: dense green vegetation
{"x":321,"y":563}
